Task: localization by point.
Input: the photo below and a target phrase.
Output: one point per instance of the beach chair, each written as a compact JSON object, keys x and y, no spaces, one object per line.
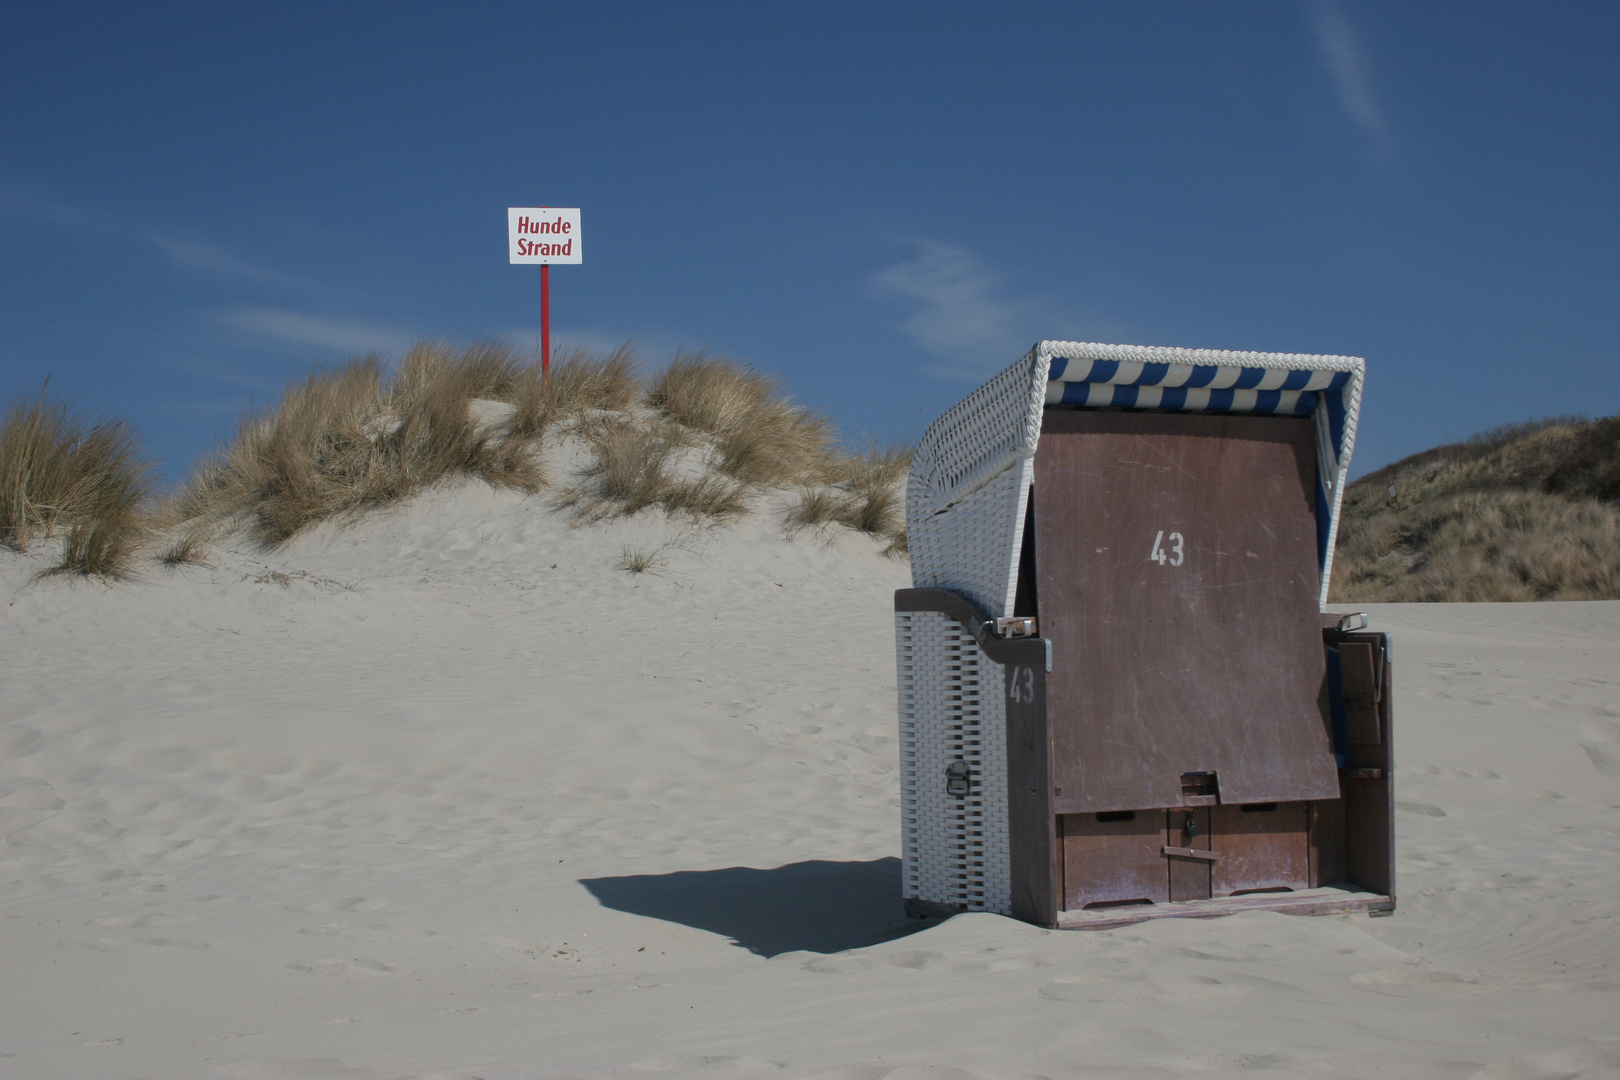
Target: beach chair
{"x":1120,"y":696}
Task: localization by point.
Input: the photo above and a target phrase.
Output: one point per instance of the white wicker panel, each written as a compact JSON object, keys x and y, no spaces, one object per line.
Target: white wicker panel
{"x":1341,"y":467}
{"x":954,"y":850}
{"x":969,"y":485}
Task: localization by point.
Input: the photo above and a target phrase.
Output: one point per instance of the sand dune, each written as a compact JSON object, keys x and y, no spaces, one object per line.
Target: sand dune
{"x":446,"y":794}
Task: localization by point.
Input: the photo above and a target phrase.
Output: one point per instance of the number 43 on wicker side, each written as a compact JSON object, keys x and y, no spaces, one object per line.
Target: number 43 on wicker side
{"x":1120,"y":696}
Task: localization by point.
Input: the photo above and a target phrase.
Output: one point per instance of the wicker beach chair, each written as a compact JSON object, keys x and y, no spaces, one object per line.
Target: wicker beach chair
{"x":1120,"y":697}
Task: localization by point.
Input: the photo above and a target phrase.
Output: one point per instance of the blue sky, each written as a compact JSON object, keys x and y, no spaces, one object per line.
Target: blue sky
{"x":879,"y":203}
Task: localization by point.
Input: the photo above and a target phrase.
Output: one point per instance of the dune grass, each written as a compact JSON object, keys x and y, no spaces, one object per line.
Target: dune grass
{"x":759,"y":436}
{"x":715,"y":435}
{"x":87,"y":483}
{"x":635,"y":465}
{"x":579,"y":383}
{"x":345,"y":440}
{"x":1524,"y":512}
{"x":634,"y":560}
{"x":864,"y":492}
{"x":701,"y":442}
{"x":705,"y":440}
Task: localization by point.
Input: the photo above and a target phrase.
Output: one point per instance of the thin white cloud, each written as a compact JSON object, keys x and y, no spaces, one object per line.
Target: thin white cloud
{"x":295,"y":327}
{"x":213,"y":260}
{"x":1347,"y":69}
{"x":33,"y":206}
{"x":960,"y":318}
{"x":187,"y":253}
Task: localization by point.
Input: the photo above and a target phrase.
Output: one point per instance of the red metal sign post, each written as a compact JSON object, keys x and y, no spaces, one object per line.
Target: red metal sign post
{"x":545,"y":320}
{"x":543,"y":235}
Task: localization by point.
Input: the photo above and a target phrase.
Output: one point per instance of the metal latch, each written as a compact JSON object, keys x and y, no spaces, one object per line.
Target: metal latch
{"x":956,"y":778}
{"x":1192,"y":853}
{"x":1019,"y":626}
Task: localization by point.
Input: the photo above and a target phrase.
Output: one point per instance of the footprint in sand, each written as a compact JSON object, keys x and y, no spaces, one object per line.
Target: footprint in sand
{"x":1212,"y":954}
{"x":1601,"y":741}
{"x":166,"y":759}
{"x":17,"y":742}
{"x":342,"y":904}
{"x":843,"y":965}
{"x":919,"y":961}
{"x":295,"y":1069}
{"x":33,"y":795}
{"x":1130,"y":986}
{"x":173,"y":943}
{"x":362,"y":965}
{"x":716,"y":1065}
{"x":902,"y":1072}
{"x":1410,"y":977}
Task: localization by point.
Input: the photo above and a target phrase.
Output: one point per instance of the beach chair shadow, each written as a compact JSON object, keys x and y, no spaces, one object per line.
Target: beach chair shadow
{"x":815,"y":906}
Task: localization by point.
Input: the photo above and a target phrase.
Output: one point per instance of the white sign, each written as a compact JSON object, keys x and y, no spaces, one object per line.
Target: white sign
{"x":543,"y":234}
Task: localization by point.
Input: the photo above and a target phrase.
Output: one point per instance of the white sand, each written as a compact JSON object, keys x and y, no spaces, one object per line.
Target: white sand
{"x":431,"y":805}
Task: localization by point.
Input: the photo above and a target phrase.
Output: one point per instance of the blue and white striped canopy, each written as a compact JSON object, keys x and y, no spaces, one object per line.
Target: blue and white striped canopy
{"x":1188,"y":387}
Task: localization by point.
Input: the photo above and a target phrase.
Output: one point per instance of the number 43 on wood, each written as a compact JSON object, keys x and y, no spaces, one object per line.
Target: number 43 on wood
{"x":1160,"y":555}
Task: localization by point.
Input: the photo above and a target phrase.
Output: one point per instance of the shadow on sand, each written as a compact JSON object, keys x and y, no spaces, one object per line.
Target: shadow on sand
{"x":818,"y":906}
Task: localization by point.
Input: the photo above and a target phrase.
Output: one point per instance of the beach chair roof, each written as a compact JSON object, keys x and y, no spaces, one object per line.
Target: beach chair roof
{"x":969,"y":484}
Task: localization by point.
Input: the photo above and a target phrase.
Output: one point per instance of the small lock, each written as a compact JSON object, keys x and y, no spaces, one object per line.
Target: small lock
{"x":956,"y":778}
{"x":1191,"y":827}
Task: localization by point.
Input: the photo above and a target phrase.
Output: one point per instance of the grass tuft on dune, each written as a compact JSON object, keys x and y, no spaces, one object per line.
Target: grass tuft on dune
{"x":345,"y":440}
{"x":86,"y":482}
{"x":759,"y":436}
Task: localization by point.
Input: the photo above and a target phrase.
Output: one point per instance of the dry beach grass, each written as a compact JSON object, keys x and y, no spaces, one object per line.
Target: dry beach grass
{"x":1525,"y":512}
{"x":345,"y":440}
{"x":703,"y":442}
{"x":61,"y":476}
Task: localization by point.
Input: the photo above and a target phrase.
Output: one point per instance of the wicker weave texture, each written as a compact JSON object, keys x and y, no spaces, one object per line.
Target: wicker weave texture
{"x":954,"y":849}
{"x":1162,"y":354}
{"x":969,"y":485}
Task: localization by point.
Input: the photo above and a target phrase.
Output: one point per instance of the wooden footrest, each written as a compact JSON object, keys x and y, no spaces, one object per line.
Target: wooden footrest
{"x":1326,"y":901}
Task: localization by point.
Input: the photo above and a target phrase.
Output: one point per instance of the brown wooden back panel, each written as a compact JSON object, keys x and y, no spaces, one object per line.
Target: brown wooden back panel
{"x":1209,"y":660}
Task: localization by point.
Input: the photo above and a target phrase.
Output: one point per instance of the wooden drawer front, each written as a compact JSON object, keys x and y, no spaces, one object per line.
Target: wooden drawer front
{"x":1260,"y":848}
{"x":1113,"y":858}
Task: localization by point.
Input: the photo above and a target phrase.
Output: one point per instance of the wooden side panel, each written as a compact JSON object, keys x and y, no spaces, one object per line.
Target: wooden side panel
{"x":1368,"y":841}
{"x":1032,"y":825}
{"x":1177,"y":576}
{"x":1368,"y":782}
{"x":1260,"y":848}
{"x":1114,"y":858}
{"x":1358,"y":669}
{"x":1189,"y":878}
{"x":1327,"y":842}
